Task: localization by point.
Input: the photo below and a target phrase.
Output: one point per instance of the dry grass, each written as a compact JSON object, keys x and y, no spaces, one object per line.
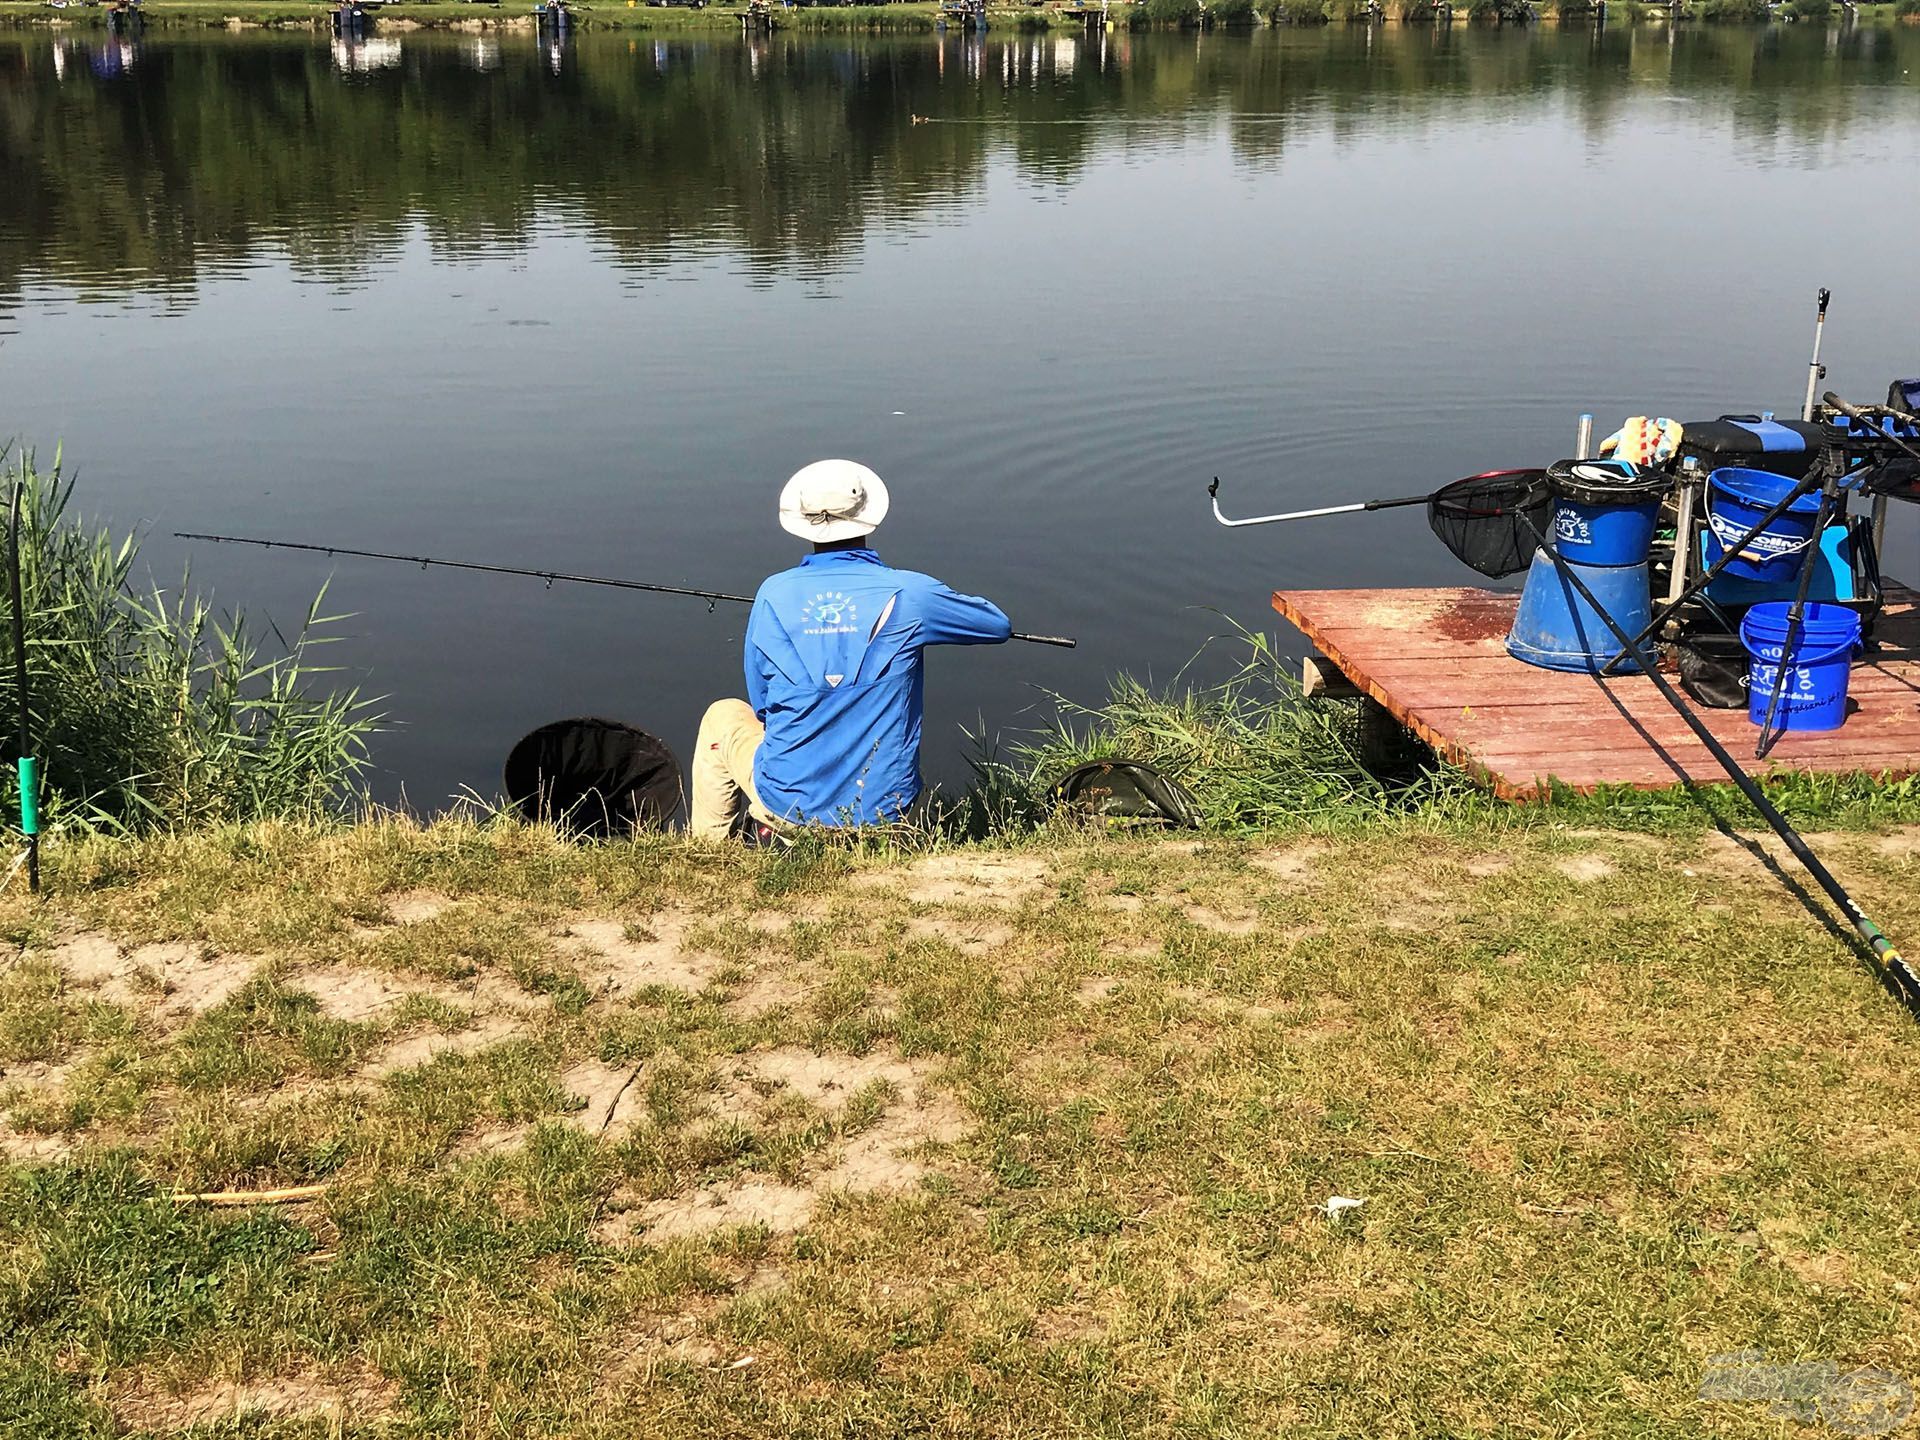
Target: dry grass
{"x":679,"y":1141}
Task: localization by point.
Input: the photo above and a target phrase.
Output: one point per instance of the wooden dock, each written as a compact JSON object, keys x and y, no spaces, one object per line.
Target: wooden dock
{"x":1437,"y":661}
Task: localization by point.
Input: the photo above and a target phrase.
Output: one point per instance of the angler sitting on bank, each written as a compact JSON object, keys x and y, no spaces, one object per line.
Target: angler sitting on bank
{"x":829,"y":732}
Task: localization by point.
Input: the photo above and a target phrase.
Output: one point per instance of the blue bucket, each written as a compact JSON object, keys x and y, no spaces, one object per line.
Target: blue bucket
{"x":1556,"y":629}
{"x":1604,"y":510}
{"x":1815,"y":694}
{"x":1736,"y":499}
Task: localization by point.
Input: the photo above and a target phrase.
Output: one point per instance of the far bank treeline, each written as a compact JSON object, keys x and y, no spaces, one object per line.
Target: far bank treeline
{"x":787,"y":153}
{"x":914,"y":16}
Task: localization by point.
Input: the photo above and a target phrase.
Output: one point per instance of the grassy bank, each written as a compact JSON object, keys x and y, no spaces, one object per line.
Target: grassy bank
{"x":908,"y":17}
{"x":661,"y":1139}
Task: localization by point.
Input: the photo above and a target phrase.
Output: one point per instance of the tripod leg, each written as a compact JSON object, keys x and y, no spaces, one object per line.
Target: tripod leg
{"x":1728,"y":554}
{"x":1796,"y":616}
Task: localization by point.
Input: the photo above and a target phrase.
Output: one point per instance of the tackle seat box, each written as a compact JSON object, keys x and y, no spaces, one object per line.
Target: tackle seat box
{"x":1848,"y":574}
{"x":1785,"y":447}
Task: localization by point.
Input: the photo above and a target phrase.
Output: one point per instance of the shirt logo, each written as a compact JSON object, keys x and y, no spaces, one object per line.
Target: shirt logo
{"x":831,"y":612}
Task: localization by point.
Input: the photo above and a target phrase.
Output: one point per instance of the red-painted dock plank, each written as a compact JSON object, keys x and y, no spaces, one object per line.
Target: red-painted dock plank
{"x":1437,"y":660}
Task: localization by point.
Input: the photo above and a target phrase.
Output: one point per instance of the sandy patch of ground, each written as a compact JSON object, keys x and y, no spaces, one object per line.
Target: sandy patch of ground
{"x":772,"y":922}
{"x":357,"y":1397}
{"x":1486,"y":865}
{"x":974,"y":937}
{"x":1584,"y":869}
{"x":1097,"y":989}
{"x":880,"y":1158}
{"x":967,"y":879}
{"x":420,"y":1049}
{"x":781,"y":1209}
{"x":39,"y":1077}
{"x":411,"y":907}
{"x":1407,"y":902}
{"x":615,"y":1102}
{"x":1293,"y":863}
{"x":760,"y":1282}
{"x":172,"y":982}
{"x":645,"y":1342}
{"x":20,"y":1145}
{"x":1207,"y":918}
{"x":347,"y":992}
{"x":828,"y":1080}
{"x":500,"y":994}
{"x":1740,"y":854}
{"x":1224,"y":1006}
{"x":616,"y":958}
{"x":91,"y":959}
{"x":351,"y":992}
{"x":767,"y":991}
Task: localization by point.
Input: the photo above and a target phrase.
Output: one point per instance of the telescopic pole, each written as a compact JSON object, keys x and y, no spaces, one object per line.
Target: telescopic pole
{"x":1815,"y":370}
{"x":28,"y":766}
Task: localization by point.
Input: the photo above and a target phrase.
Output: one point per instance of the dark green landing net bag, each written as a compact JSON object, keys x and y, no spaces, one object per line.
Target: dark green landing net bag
{"x":1125,"y":792}
{"x":594,"y":778}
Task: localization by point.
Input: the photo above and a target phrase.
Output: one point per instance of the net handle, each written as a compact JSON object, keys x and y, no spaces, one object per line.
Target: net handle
{"x":1353,"y":507}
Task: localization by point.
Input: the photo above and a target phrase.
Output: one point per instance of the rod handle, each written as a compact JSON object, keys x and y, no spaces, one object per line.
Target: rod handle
{"x":1064,"y":642}
{"x":29,"y":795}
{"x":1835,"y":402}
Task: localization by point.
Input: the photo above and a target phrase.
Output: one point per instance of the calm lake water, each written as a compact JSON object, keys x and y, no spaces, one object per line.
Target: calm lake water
{"x":586,"y":308}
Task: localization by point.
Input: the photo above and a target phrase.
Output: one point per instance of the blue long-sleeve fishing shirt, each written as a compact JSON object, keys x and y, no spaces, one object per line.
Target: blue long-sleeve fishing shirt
{"x":833,"y":668}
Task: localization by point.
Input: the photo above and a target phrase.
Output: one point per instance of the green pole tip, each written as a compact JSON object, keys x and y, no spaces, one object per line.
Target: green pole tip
{"x":29,"y":795}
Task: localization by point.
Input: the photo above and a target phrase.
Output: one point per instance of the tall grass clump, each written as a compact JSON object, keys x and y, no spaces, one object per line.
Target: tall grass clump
{"x":148,"y":712}
{"x":1254,"y":751}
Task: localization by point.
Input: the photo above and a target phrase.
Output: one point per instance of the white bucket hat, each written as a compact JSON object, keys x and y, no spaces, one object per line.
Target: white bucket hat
{"x":833,"y":500}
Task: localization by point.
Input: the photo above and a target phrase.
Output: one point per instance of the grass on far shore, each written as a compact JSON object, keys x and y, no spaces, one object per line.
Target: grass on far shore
{"x":664,"y":1139}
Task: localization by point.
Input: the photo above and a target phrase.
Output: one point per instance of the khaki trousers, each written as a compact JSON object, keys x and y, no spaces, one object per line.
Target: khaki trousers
{"x":730,"y":735}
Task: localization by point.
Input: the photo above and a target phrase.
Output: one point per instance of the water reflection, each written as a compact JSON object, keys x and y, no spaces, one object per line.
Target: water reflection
{"x":105,"y":59}
{"x":357,"y":53}
{"x":785,"y":151}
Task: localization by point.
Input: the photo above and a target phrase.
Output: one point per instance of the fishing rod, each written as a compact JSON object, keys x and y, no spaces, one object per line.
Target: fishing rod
{"x":1896,"y":973}
{"x":712,"y":597}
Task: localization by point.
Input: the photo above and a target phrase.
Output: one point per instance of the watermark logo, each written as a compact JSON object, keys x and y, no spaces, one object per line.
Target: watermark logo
{"x":1869,"y":1401}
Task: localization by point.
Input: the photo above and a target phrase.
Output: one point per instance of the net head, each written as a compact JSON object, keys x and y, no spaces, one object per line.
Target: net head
{"x":1493,"y":521}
